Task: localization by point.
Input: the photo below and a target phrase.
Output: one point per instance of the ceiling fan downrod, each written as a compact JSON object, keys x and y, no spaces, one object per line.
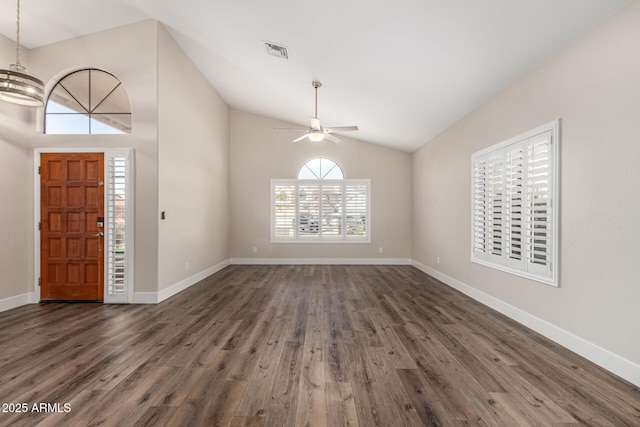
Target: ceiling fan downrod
{"x":316,"y":85}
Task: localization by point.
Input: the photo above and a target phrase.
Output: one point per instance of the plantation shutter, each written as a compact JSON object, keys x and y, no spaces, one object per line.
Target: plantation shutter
{"x":327,"y":210}
{"x":480,"y":207}
{"x":119,"y":226}
{"x":357,"y":209}
{"x":308,"y":210}
{"x":495,"y":226}
{"x":284,"y":211}
{"x":514,"y":203}
{"x":331,"y":218}
{"x":513,"y":215}
{"x":539,"y":184}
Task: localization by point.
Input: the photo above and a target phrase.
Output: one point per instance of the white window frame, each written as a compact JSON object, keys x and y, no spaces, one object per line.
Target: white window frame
{"x":503,"y":218}
{"x":320,"y":237}
{"x":109,"y":153}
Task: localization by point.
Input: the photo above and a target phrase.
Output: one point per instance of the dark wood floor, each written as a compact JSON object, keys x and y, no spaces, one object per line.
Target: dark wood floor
{"x":299,"y":346}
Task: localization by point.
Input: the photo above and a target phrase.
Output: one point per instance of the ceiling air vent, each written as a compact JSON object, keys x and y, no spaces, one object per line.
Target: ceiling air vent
{"x":276,"y":50}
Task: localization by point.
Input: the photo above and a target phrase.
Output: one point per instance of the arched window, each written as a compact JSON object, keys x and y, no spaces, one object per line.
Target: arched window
{"x":320,"y":168}
{"x":88,"y":101}
{"x":320,"y":206}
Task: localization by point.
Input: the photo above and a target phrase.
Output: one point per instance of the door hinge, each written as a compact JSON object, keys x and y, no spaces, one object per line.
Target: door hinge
{"x":39,"y":167}
{"x":40,"y":225}
{"x":38,"y":281}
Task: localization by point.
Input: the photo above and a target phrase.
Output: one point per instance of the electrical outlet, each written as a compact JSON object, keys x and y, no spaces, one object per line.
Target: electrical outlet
{"x":437,"y":260}
{"x":186,"y":265}
{"x":255,"y":249}
{"x":380,"y":249}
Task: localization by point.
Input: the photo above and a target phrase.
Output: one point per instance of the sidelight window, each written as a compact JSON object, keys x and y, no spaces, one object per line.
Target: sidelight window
{"x":119,"y":225}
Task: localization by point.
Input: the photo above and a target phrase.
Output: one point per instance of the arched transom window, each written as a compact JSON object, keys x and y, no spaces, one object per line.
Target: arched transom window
{"x":320,"y":168}
{"x":88,"y":101}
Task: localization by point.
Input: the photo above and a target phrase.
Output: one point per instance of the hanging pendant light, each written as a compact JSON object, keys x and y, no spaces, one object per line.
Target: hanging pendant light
{"x":16,"y":86}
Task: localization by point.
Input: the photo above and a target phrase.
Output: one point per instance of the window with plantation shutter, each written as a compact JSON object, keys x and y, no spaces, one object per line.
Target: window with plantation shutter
{"x":119,"y":226}
{"x":514,"y":205}
{"x":320,"y":206}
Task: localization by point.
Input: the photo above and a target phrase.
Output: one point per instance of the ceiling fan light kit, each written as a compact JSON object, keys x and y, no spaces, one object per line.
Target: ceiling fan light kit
{"x":16,"y":86}
{"x":316,"y":132}
{"x":316,"y":136}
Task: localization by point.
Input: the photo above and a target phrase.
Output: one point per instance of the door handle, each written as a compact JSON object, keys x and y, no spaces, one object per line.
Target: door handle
{"x":100,"y":234}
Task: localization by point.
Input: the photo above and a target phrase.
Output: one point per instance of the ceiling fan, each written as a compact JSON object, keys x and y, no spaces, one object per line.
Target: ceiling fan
{"x":316,"y":132}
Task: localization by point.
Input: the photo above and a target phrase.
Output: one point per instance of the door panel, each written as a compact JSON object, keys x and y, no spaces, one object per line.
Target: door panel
{"x":72,"y":200}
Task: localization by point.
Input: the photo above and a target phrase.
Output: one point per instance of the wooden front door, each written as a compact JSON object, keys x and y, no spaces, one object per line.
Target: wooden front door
{"x":71,"y":238}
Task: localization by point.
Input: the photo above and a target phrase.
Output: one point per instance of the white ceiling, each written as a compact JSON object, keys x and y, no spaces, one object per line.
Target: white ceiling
{"x":402,"y":70}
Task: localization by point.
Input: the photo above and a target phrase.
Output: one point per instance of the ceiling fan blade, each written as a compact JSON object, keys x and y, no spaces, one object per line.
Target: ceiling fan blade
{"x":315,"y":123}
{"x":331,"y":137}
{"x":341,"y":128}
{"x":301,"y":138}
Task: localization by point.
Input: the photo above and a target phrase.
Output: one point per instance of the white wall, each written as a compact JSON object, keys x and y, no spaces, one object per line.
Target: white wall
{"x":260,"y":153}
{"x":193,"y":175}
{"x":594,"y":88}
{"x":16,"y":176}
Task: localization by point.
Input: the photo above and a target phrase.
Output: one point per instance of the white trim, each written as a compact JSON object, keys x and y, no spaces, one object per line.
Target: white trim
{"x":17,"y":301}
{"x":190,"y":281}
{"x":596,"y":354}
{"x":550,"y":281}
{"x":168,"y":292}
{"x":145,"y":298}
{"x":322,"y":261}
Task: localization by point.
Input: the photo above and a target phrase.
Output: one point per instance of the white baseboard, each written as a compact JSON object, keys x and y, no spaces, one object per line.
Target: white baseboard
{"x":145,"y":297}
{"x":17,"y":301}
{"x":323,"y":261}
{"x":596,"y":354}
{"x":157,"y":297}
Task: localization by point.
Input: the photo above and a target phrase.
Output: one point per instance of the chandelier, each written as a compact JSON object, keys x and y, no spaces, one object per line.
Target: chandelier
{"x":16,"y":86}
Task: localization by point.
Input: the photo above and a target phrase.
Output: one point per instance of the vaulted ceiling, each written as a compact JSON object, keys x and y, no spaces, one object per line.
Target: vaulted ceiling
{"x":403,"y":71}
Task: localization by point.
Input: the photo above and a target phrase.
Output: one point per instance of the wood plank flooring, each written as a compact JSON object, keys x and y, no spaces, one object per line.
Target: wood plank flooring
{"x":299,"y":346}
